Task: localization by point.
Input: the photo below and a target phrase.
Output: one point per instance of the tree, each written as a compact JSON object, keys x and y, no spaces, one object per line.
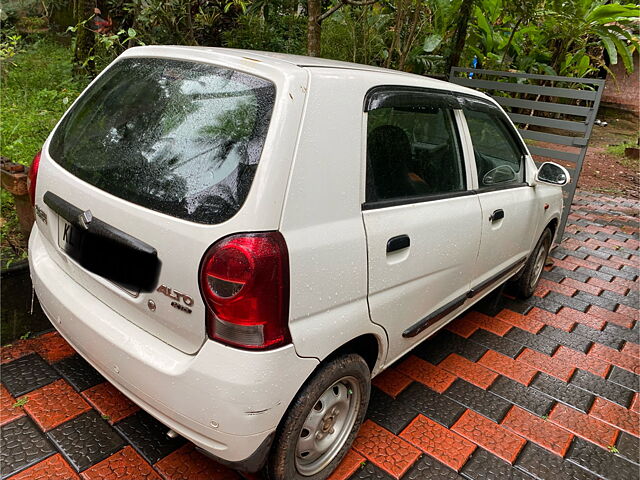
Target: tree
{"x":85,"y":39}
{"x":410,"y":18}
{"x":460,"y":35}
{"x":316,"y":17}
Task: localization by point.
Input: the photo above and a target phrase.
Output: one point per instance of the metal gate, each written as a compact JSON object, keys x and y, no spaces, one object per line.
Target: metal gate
{"x":555,"y":115}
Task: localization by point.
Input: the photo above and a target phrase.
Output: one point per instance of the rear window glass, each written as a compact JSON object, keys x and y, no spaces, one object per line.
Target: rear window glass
{"x":181,"y":138}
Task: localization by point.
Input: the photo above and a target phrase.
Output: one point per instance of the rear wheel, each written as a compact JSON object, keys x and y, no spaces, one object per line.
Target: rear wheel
{"x":528,"y":280}
{"x":322,"y":422}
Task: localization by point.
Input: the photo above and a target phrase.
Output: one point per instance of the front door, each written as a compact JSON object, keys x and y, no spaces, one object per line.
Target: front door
{"x":421,"y":218}
{"x":506,"y":200}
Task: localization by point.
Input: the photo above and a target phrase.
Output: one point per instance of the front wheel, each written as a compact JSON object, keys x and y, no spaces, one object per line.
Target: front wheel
{"x":528,"y":280}
{"x":322,"y":421}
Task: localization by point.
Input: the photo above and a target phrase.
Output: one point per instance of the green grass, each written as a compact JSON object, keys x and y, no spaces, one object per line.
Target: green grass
{"x":36,"y":88}
{"x":618,"y":151}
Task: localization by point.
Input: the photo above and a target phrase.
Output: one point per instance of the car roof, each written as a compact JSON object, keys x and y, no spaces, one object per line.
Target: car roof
{"x":285,"y":59}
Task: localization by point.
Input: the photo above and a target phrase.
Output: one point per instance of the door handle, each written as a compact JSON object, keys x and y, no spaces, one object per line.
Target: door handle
{"x":496,"y":215}
{"x":398,"y":243}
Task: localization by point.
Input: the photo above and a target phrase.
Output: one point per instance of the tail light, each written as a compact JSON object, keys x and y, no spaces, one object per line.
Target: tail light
{"x":244,"y":280}
{"x":32,"y":177}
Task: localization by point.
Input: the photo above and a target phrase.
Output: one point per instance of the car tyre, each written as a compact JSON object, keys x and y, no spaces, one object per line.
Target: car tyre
{"x":322,"y":421}
{"x":527,"y":281}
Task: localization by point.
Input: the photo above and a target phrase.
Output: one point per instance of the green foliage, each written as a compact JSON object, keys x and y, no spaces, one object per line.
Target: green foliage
{"x":180,"y":22}
{"x":280,"y":33}
{"x":408,"y":35}
{"x":555,"y":37}
{"x":36,"y":90}
{"x":358,"y":35}
{"x":9,"y":45}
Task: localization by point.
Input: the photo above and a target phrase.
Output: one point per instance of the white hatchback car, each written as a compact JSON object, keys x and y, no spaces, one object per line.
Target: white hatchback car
{"x":239,"y":241}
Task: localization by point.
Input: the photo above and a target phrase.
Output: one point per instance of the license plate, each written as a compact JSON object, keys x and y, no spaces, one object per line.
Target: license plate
{"x":69,"y":238}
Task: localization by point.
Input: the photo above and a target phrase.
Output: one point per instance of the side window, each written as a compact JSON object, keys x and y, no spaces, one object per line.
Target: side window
{"x":412,"y":152}
{"x":499,"y":160}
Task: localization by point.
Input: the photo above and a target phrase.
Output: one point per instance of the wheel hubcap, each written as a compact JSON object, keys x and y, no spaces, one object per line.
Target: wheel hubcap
{"x":327,"y":426}
{"x":541,"y":257}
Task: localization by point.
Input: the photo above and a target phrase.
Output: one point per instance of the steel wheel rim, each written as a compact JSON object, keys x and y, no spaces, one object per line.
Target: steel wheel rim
{"x":327,"y":426}
{"x":539,"y":264}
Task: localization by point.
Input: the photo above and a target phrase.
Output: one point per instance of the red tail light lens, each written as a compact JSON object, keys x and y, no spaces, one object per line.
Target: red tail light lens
{"x":244,"y":281}
{"x":32,"y":177}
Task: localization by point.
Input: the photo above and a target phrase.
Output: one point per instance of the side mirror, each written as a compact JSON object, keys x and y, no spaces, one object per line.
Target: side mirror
{"x":553,"y":174}
{"x":501,"y":174}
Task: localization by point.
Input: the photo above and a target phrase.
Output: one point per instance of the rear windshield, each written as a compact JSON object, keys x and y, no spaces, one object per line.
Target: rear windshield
{"x":181,"y":138}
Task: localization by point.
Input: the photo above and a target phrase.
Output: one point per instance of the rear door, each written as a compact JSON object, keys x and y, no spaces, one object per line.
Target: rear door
{"x":509,"y":215}
{"x":422,"y":220}
{"x":154,"y":163}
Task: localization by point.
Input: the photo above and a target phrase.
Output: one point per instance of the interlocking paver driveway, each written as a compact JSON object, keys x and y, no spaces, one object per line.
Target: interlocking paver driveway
{"x":546,"y":388}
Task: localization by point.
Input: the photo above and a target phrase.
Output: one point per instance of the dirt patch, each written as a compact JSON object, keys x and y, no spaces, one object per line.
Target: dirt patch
{"x":607,"y":172}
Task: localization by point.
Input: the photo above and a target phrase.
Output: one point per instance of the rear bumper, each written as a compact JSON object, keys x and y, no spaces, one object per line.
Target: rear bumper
{"x":226,"y":401}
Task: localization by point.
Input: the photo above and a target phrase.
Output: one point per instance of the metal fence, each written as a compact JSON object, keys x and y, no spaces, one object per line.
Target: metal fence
{"x":555,"y":115}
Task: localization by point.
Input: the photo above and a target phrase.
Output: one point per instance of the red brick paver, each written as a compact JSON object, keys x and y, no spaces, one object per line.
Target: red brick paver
{"x":52,"y":468}
{"x":610,"y":286}
{"x":384,"y":449}
{"x":631,"y":349}
{"x":583,"y":425}
{"x":124,"y":464}
{"x":525,"y":322}
{"x":614,"y":357}
{"x":609,"y":316}
{"x":54,"y":404}
{"x":469,"y":371}
{"x":585,"y":287}
{"x":491,"y":324}
{"x":187,"y":463}
{"x":108,"y":400}
{"x":507,"y":366}
{"x":433,"y":377}
{"x":537,"y":430}
{"x":15,"y":350}
{"x":392,"y":382}
{"x":580,"y":360}
{"x":439,"y":442}
{"x":562,"y":288}
{"x":350,"y":463}
{"x":616,"y":415}
{"x":587,"y":319}
{"x":8,"y":411}
{"x":490,"y":436}
{"x":547,"y":364}
{"x":53,"y":348}
{"x":548,"y":318}
{"x":463,"y":326}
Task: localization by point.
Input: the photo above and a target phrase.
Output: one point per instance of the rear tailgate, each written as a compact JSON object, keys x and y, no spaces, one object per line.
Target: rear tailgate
{"x":134,"y":186}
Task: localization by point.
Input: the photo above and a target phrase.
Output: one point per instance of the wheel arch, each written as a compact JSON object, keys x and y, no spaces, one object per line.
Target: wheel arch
{"x":367,"y":346}
{"x":553,"y":226}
